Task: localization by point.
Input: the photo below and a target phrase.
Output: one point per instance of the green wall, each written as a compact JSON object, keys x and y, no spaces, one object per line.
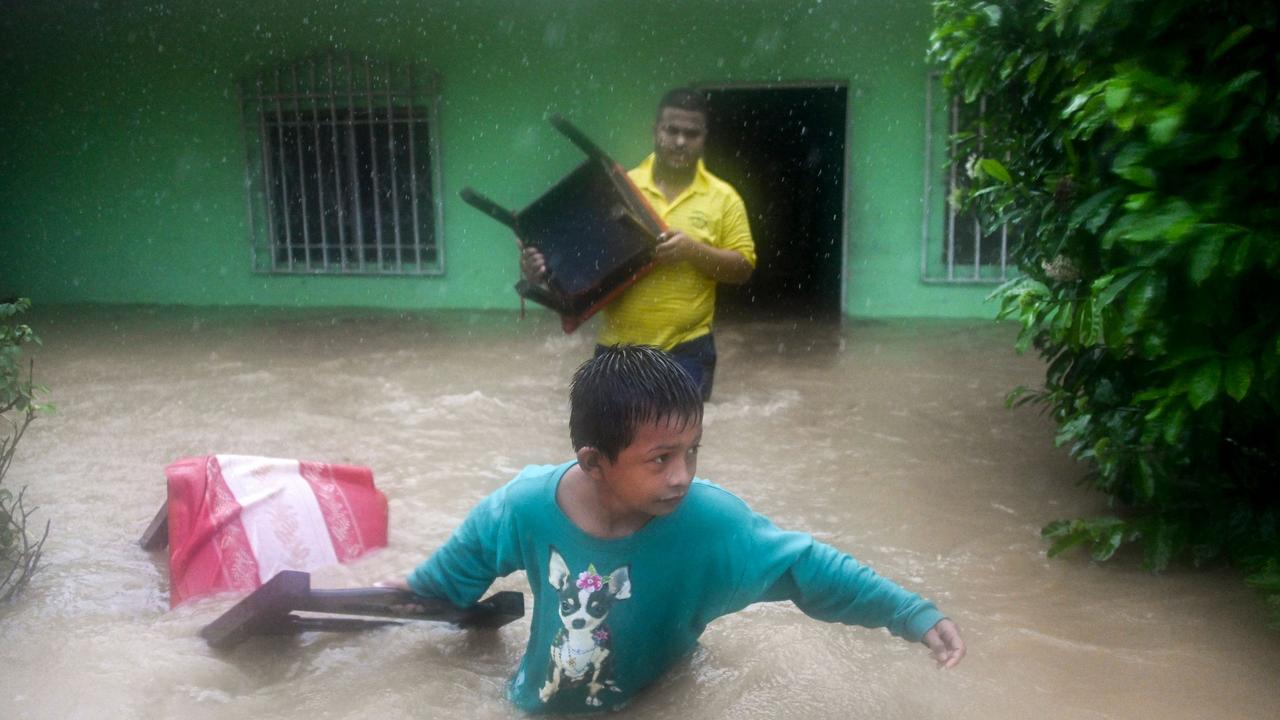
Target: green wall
{"x":122,"y":160}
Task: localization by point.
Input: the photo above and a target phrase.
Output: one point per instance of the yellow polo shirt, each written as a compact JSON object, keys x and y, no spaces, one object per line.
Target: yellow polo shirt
{"x":675,"y":303}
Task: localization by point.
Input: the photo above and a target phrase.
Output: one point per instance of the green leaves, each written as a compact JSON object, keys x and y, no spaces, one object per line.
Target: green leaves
{"x":14,"y":393}
{"x":1238,"y":377}
{"x":1204,"y":257}
{"x":992,"y":168}
{"x":1205,"y":383}
{"x":1134,"y":141}
{"x":1231,"y":41}
{"x":10,"y":309}
{"x":1036,"y":68}
{"x":1169,"y":221}
{"x":19,"y":553}
{"x":1107,"y":288}
{"x":1094,"y":212}
{"x":1104,"y":535}
{"x":1117,"y":94}
{"x":1164,"y":538}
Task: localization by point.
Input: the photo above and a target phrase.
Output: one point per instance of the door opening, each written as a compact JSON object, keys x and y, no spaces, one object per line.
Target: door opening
{"x":783,"y":149}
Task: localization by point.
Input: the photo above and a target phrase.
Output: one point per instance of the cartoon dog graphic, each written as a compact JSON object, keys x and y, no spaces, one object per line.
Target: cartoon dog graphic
{"x":582,"y":650}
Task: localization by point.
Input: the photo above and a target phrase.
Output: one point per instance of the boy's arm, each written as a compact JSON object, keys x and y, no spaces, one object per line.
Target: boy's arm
{"x":830,"y":585}
{"x":479,"y":551}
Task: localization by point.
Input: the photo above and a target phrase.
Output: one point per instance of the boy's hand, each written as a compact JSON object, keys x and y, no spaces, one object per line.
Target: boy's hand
{"x":945,"y":644}
{"x":399,"y":583}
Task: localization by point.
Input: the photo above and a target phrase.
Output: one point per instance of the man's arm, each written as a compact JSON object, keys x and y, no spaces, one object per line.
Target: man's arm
{"x":728,"y":256}
{"x":719,"y":264}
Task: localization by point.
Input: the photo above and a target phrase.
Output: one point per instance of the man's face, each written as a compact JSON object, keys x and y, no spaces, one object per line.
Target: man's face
{"x":679,"y":137}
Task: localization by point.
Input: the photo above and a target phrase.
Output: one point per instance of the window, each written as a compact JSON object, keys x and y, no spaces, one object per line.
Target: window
{"x":955,"y":247}
{"x":342,"y":173}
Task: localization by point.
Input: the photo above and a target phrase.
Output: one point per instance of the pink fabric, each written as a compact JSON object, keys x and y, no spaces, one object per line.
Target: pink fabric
{"x":351,"y":506}
{"x":215,"y":537}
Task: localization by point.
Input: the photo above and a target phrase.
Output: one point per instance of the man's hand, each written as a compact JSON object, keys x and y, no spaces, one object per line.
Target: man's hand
{"x":719,"y":264}
{"x":533,"y":266}
{"x":945,"y":644}
{"x":674,"y":246}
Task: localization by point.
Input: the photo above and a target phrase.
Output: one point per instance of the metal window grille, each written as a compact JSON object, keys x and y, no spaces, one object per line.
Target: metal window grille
{"x":955,"y":248}
{"x":342,"y":172}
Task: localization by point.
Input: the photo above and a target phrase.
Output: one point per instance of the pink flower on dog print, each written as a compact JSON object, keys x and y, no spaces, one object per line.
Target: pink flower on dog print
{"x":590,"y":580}
{"x":601,"y":636}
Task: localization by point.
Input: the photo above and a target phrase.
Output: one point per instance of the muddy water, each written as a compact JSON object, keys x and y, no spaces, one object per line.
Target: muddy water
{"x":889,"y":440}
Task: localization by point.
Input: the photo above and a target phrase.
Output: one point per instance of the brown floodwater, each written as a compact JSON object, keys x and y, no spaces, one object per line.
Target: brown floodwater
{"x":887,"y":439}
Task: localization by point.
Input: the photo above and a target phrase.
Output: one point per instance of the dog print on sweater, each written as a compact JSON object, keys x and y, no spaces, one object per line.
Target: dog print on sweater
{"x":582,"y":650}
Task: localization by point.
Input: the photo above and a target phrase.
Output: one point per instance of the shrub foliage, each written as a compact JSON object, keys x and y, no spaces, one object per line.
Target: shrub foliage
{"x":19,"y":549}
{"x":1132,"y":145}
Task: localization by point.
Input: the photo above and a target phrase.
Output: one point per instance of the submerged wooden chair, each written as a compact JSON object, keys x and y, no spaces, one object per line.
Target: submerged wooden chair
{"x":271,"y":607}
{"x":270,"y":610}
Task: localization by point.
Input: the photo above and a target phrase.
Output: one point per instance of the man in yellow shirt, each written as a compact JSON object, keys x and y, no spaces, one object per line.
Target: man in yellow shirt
{"x":708,"y":241}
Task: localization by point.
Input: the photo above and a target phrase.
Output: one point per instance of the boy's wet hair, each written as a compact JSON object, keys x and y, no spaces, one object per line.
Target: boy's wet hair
{"x":624,"y":387}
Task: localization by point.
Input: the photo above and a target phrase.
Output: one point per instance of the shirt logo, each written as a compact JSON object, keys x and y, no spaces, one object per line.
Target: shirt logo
{"x":698,"y":219}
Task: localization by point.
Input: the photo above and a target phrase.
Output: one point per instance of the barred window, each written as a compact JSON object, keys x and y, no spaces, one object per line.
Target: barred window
{"x":955,"y":247}
{"x":342,"y":174}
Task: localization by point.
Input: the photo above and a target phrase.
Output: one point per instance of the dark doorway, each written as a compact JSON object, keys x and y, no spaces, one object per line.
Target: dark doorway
{"x":783,"y":148}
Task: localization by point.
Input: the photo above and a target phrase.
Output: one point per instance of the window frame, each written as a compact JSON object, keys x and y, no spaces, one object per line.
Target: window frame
{"x":391,"y":98}
{"x":938,"y":261}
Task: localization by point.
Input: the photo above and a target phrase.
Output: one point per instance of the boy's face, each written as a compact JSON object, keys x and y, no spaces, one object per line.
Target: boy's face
{"x":651,"y":476}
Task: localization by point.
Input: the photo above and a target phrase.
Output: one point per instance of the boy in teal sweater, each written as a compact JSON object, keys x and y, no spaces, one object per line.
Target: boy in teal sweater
{"x":629,"y":556}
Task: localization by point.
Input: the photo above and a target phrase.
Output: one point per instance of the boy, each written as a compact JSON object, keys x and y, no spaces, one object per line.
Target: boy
{"x":629,"y":557}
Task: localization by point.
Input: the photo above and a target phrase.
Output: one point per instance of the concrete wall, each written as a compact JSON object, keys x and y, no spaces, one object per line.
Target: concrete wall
{"x":122,"y":156}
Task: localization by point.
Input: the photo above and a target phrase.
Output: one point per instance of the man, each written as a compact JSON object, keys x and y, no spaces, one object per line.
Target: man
{"x":708,"y":241}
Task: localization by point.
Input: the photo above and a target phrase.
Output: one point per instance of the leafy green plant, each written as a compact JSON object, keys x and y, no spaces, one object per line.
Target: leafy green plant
{"x":1132,"y":145}
{"x":19,"y":551}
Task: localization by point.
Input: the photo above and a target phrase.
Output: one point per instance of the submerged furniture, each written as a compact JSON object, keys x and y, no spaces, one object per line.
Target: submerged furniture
{"x":156,"y":536}
{"x":270,"y":610}
{"x":233,"y":521}
{"x":594,"y":228}
{"x":246,"y":523}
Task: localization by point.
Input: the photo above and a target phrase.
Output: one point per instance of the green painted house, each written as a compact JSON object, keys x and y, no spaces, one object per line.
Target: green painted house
{"x":300,"y":153}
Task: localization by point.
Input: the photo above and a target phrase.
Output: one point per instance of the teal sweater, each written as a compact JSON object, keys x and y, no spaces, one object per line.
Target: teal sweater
{"x":609,"y":616}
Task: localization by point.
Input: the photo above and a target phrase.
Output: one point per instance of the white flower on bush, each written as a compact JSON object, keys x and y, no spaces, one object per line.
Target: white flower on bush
{"x":1061,"y":269}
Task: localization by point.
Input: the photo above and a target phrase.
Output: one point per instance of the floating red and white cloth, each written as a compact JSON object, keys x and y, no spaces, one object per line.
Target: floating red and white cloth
{"x":237,"y":520}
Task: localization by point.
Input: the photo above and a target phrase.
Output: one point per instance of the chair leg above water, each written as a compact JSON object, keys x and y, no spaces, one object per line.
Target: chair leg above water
{"x":269,"y":610}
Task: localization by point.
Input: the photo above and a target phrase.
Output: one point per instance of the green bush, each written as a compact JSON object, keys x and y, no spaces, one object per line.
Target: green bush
{"x":1132,"y":146}
{"x":19,"y":550}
